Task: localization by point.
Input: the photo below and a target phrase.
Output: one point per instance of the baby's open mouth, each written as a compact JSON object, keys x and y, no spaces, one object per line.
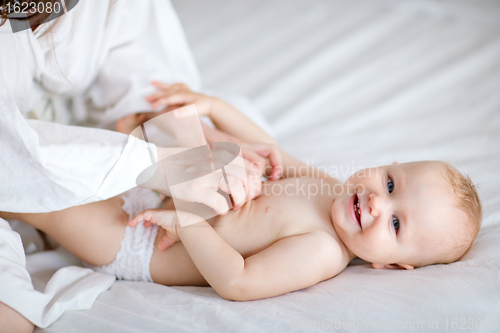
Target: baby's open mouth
{"x":357,"y":211}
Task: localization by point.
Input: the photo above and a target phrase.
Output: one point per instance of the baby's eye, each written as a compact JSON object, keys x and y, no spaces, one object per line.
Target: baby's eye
{"x":395,"y":223}
{"x":390,"y":185}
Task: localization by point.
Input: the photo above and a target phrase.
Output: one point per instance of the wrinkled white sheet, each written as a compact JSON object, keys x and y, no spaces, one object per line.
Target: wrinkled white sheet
{"x":347,"y":83}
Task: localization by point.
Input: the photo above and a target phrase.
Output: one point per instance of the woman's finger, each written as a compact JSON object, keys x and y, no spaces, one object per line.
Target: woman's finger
{"x":254,"y":183}
{"x":236,"y":189}
{"x":234,"y":170}
{"x":213,"y":199}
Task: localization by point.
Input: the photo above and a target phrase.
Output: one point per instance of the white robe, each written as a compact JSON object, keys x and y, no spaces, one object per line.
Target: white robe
{"x":93,"y":64}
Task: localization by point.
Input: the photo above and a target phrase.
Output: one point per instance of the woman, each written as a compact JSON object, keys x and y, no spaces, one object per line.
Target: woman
{"x":94,"y":64}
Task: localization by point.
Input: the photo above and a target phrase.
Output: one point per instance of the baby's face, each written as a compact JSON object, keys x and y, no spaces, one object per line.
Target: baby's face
{"x":405,"y":210}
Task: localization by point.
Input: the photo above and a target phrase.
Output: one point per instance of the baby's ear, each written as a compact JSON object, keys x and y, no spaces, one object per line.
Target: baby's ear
{"x":392,"y":266}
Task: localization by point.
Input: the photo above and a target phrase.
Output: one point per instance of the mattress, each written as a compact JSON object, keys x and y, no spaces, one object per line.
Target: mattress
{"x":346,"y":84}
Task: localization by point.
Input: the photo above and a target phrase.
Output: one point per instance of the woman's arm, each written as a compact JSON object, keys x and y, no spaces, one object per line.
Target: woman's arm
{"x":62,"y":166}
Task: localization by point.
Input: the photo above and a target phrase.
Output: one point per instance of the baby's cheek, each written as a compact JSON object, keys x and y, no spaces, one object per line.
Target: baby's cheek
{"x":350,"y":187}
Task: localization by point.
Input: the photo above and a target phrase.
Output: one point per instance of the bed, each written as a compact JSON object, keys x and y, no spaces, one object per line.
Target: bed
{"x":343,"y":84}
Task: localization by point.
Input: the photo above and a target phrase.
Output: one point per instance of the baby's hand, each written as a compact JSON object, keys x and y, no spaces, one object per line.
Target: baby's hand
{"x":167,"y":219}
{"x":177,"y":95}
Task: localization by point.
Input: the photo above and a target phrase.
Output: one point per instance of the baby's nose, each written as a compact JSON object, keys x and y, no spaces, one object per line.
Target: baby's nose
{"x":373,"y":204}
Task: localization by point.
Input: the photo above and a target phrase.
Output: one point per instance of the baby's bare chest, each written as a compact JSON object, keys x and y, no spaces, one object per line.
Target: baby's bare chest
{"x":284,"y":209}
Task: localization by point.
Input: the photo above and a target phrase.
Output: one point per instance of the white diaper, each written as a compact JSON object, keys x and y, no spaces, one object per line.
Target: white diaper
{"x":136,"y":249}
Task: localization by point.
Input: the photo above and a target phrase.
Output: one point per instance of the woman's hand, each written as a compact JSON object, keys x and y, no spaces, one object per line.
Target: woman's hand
{"x":193,"y":181}
{"x":244,"y":184}
{"x":266,"y":157}
{"x":167,"y":219}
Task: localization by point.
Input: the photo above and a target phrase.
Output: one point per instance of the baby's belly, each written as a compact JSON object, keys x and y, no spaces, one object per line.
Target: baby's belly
{"x":250,"y":229}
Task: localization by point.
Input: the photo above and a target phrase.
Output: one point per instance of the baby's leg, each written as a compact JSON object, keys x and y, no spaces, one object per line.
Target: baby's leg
{"x":91,"y":232}
{"x":174,"y":267}
{"x":94,"y":232}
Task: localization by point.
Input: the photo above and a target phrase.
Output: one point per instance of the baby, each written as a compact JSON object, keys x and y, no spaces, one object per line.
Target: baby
{"x":302,"y":229}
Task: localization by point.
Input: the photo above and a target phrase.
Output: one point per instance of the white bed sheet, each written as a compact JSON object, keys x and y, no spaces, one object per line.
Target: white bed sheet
{"x":347,"y":83}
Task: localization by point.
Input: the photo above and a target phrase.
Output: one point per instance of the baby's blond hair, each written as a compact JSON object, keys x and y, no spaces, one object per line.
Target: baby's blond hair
{"x":467,"y":200}
{"x":466,"y":229}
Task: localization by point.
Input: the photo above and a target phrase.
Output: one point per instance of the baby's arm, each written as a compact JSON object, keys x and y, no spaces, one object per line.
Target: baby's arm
{"x":231,"y":121}
{"x":293,"y":168}
{"x":289,"y":264}
{"x":224,"y":116}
